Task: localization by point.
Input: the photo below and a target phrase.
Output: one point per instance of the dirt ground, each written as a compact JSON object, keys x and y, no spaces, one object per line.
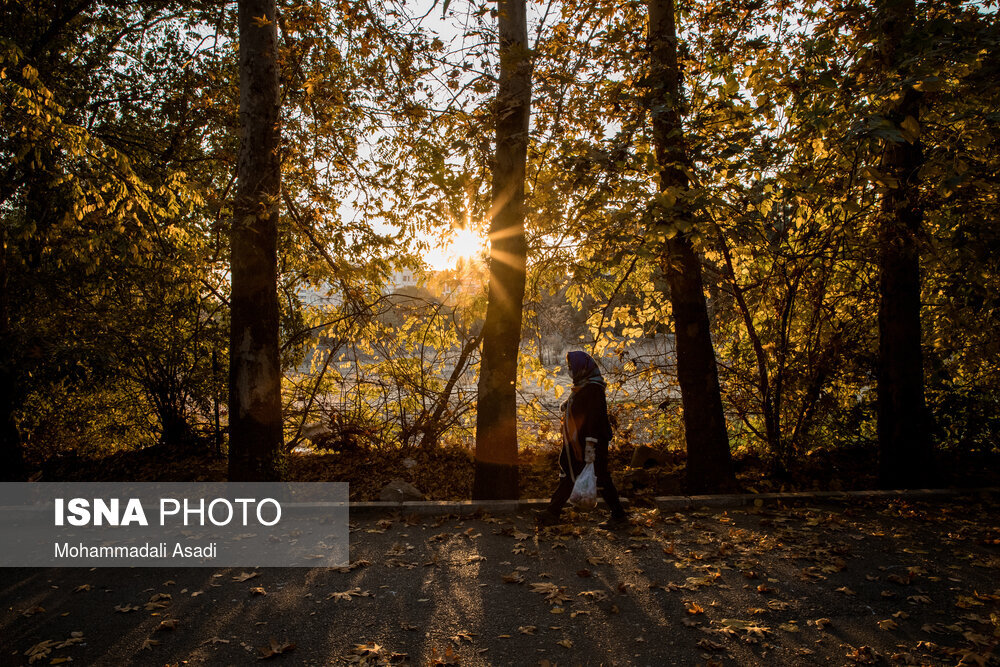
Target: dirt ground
{"x":874,"y":582}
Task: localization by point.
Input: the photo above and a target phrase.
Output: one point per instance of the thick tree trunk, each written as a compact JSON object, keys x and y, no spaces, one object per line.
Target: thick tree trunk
{"x":709,"y":464}
{"x":496,"y":420}
{"x":904,"y":448}
{"x":11,"y":456}
{"x":255,"y":433}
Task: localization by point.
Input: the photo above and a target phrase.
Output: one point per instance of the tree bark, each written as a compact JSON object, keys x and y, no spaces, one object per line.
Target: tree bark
{"x":11,"y":454}
{"x":255,"y":428}
{"x":496,"y":473}
{"x":904,"y":448}
{"x":709,"y":462}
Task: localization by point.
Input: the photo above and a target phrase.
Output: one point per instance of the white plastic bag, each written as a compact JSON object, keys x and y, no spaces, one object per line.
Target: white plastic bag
{"x":584,"y":494}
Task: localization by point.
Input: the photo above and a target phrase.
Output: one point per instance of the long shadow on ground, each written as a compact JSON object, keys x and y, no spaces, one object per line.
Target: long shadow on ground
{"x":877,"y":582}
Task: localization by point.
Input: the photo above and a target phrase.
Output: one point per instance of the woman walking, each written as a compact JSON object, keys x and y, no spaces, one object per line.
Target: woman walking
{"x":585,"y":424}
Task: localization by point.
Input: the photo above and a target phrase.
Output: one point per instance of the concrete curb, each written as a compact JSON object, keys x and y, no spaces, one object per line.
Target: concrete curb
{"x":674,"y":503}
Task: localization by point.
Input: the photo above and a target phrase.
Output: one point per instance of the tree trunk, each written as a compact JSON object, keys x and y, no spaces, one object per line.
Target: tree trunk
{"x":11,"y":456}
{"x":904,"y":448}
{"x":496,"y":420}
{"x":709,"y":464}
{"x":255,"y":429}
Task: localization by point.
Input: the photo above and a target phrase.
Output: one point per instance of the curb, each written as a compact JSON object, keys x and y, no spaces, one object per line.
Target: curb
{"x":673,"y":503}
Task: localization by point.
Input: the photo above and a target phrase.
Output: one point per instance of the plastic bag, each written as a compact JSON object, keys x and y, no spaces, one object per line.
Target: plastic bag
{"x":584,"y":494}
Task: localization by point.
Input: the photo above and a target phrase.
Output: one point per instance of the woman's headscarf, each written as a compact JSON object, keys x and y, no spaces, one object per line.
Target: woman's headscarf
{"x":583,"y":369}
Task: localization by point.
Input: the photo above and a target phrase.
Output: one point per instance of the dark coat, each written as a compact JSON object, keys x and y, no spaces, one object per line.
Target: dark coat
{"x":587,"y":417}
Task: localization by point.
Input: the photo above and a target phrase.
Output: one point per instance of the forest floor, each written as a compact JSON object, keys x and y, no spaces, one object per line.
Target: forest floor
{"x":888,"y":582}
{"x":446,"y":473}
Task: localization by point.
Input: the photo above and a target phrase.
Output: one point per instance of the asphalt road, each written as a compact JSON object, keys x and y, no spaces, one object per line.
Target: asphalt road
{"x":879,"y":582}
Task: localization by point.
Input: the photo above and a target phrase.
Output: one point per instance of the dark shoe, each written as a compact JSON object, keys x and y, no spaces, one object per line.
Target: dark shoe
{"x":615,"y":523}
{"x":546,"y":517}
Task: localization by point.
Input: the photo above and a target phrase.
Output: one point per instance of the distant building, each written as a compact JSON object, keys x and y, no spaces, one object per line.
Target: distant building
{"x":401,"y":278}
{"x":314,"y":297}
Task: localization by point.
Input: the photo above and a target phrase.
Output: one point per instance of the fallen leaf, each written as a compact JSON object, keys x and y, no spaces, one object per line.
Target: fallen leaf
{"x":694,"y":608}
{"x":148,"y":644}
{"x":710,"y":646}
{"x":275,"y":648}
{"x":352,"y":566}
{"x":750,"y":627}
{"x":527,"y":629}
{"x":970,"y":658}
{"x":215,"y":640}
{"x":888,"y":624}
{"x":967,"y":602}
{"x":552,"y":592}
{"x":863,"y":655}
{"x":168,"y":624}
{"x":449,"y":657}
{"x":245,"y":576}
{"x":347,"y":595}
{"x":594,"y":595}
{"x":40,"y":650}
{"x":158,"y":601}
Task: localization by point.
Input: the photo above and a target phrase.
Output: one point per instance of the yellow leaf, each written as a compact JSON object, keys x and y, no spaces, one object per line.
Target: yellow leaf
{"x":694,"y":608}
{"x":911,"y":128}
{"x":148,"y":644}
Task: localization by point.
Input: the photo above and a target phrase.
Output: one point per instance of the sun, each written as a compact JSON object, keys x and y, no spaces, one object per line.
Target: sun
{"x":463,"y":244}
{"x":466,"y":244}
